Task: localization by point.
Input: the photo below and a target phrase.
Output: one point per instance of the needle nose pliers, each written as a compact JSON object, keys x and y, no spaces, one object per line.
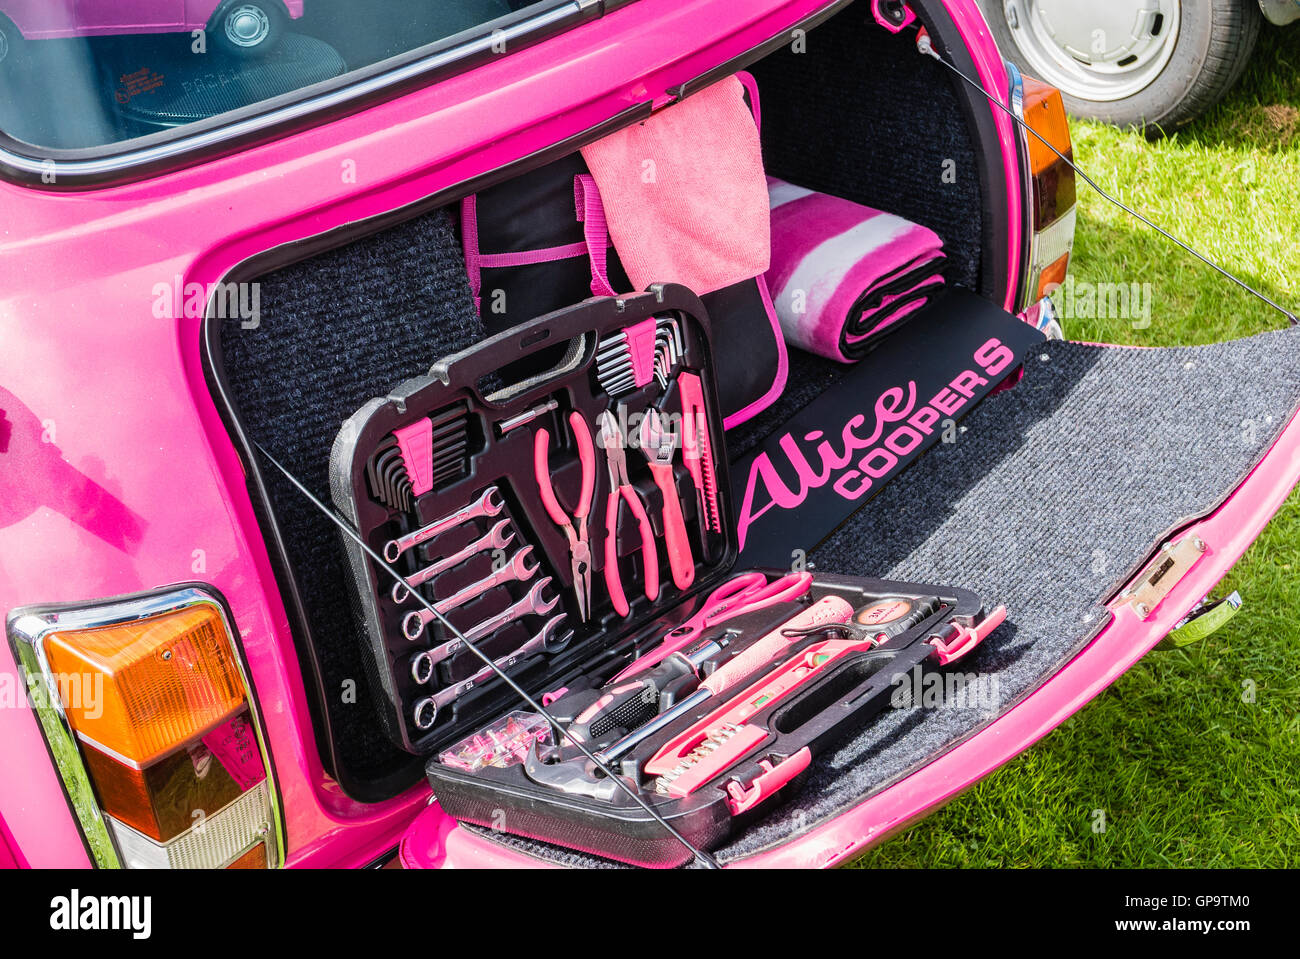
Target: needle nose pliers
{"x":614,"y":441}
{"x":576,"y":530}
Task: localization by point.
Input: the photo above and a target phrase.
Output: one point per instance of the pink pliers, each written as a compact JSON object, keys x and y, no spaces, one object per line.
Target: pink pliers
{"x":742,"y":594}
{"x":575,"y":531}
{"x":614,"y":442}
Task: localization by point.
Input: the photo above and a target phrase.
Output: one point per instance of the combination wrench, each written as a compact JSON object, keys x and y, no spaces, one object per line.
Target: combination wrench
{"x":531,"y":605}
{"x":486,"y":506}
{"x":500,"y":536}
{"x":517,"y":570}
{"x":426,"y":710}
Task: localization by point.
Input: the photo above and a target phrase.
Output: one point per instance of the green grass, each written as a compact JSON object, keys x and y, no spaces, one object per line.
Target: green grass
{"x":1186,"y":772}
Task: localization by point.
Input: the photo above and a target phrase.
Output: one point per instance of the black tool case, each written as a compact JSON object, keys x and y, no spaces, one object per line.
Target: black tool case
{"x":438,"y":445}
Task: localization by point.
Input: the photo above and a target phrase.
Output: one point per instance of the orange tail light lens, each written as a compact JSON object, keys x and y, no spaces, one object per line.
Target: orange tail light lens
{"x":161,"y":800}
{"x":142,"y":689}
{"x":153,"y":730}
{"x":255,"y":858}
{"x":1045,"y":114}
{"x":1051,"y":217}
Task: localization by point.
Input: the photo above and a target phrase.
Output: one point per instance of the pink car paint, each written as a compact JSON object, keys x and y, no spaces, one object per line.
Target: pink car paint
{"x":61,"y":19}
{"x":127,"y":479}
{"x":10,"y":858}
{"x":173,"y":506}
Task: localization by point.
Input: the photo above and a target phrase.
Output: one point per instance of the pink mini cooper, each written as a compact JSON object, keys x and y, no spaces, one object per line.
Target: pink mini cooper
{"x":203,"y":279}
{"x":242,"y":27}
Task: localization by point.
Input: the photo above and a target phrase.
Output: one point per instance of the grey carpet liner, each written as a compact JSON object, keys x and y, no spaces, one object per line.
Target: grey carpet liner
{"x":1052,"y":495}
{"x":338,"y":329}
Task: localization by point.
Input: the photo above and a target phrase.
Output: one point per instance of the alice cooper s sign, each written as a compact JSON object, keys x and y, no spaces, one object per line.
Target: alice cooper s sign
{"x":829,"y":459}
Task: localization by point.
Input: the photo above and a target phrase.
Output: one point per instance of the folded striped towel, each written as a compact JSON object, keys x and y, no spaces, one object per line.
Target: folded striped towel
{"x":843,"y":274}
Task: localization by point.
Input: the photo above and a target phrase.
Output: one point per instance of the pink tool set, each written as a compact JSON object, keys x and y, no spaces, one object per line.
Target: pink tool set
{"x":544,"y":559}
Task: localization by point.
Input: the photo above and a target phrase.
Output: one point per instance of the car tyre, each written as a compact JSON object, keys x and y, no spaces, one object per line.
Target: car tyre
{"x":10,"y":42}
{"x":1205,"y":49}
{"x":248,"y":28}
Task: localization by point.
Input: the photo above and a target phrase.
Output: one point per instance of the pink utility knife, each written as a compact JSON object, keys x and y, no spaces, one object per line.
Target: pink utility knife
{"x":697,"y":451}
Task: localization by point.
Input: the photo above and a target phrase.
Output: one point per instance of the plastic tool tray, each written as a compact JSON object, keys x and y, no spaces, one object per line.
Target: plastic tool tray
{"x":558,"y":493}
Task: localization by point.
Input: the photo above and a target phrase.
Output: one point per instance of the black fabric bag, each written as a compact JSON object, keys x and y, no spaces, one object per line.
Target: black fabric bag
{"x":538,"y":243}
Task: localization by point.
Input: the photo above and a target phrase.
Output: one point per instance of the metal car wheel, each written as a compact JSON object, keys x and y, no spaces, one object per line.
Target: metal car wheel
{"x":248,"y":28}
{"x":1095,"y":51}
{"x":246,"y":25}
{"x":1146,"y":63}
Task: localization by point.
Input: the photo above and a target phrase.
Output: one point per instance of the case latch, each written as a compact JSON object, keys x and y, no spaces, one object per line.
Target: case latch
{"x":960,"y":640}
{"x":741,"y":798}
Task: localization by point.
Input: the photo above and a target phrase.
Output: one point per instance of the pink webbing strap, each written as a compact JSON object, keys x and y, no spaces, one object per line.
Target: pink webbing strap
{"x":591,"y":214}
{"x":751,"y":87}
{"x":528,"y":257}
{"x":473,"y":258}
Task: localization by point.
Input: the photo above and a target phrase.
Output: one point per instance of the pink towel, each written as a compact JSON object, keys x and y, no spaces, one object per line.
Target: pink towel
{"x":685,"y":193}
{"x":843,"y":274}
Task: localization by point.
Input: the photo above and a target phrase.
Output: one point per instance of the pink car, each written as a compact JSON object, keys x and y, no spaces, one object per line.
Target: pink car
{"x":185,"y":684}
{"x":242,"y":27}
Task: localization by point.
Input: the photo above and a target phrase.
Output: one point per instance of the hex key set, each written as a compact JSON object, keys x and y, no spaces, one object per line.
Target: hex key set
{"x":574,"y":525}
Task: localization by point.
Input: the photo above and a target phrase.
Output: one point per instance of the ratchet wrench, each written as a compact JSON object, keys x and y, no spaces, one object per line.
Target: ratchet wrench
{"x":531,"y":605}
{"x":500,"y":536}
{"x":486,"y":506}
{"x":517,"y":570}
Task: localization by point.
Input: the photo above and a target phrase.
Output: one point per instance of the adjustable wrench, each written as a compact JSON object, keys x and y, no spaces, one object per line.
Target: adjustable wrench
{"x":531,"y":605}
{"x":426,"y":710}
{"x":500,"y":536}
{"x":517,"y":570}
{"x":486,"y":506}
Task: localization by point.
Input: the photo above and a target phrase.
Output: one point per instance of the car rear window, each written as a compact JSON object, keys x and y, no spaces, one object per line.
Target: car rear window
{"x":90,"y":78}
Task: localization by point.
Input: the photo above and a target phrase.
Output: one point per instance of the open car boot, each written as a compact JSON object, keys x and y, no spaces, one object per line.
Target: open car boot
{"x":651,"y":445}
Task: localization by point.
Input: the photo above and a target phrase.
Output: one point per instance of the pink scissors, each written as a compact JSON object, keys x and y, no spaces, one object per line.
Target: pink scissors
{"x":744,"y":594}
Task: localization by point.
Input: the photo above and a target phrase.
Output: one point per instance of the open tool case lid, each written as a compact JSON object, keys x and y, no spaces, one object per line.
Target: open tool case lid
{"x":435,"y":444}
